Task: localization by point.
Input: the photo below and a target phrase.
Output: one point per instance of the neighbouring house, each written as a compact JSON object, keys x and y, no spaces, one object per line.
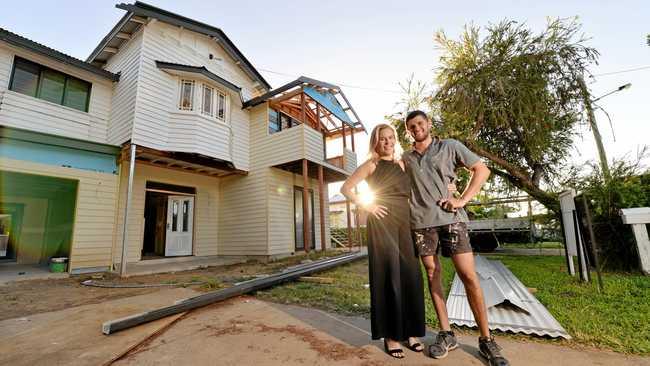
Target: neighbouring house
{"x":338,"y":213}
{"x":166,"y":139}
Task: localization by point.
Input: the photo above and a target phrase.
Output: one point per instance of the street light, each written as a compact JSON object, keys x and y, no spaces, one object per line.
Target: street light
{"x":622,"y":87}
{"x":592,"y":122}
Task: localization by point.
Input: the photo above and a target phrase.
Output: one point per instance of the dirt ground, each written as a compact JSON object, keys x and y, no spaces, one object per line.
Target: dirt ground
{"x":23,"y":298}
{"x":240,"y":331}
{"x":58,"y":322}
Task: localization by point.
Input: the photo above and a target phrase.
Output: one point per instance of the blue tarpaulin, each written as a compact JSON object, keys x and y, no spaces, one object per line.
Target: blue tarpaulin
{"x":330,"y":102}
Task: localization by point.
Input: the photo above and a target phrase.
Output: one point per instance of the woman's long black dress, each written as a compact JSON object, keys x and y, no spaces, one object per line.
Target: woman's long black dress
{"x":396,"y":293}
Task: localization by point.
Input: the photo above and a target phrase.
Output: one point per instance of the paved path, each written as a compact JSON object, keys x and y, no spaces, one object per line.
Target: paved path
{"x":241,"y":331}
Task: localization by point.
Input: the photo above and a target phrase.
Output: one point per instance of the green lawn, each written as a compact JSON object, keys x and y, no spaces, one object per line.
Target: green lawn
{"x":618,"y":320}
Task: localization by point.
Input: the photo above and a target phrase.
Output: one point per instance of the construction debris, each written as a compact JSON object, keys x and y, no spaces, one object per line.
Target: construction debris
{"x":113,"y":326}
{"x":510,"y":305}
{"x":92,"y":283}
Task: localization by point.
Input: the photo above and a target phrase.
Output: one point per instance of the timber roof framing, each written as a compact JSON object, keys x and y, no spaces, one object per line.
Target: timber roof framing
{"x":22,"y":42}
{"x":314,"y":89}
{"x":138,"y":12}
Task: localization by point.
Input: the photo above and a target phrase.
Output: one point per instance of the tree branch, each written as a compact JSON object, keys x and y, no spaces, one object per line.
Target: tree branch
{"x":518,"y":178}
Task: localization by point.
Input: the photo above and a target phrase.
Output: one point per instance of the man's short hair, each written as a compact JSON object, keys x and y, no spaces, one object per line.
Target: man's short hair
{"x":414,"y":114}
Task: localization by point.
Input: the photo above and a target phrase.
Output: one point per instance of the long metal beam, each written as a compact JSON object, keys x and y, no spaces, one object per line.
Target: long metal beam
{"x":113,"y":326}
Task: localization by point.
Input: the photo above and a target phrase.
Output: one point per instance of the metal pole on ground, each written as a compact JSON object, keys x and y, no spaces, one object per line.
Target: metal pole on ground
{"x":582,"y":264}
{"x":127,"y":209}
{"x":594,"y":245}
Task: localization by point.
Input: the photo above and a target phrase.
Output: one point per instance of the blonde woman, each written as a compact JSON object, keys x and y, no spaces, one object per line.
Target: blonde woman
{"x":396,"y":292}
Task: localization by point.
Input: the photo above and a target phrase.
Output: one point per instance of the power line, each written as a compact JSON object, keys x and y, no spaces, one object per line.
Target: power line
{"x":400,"y":92}
{"x":339,"y":84}
{"x":622,"y":71}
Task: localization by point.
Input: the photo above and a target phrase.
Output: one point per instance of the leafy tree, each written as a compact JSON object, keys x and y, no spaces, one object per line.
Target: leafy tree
{"x":513,"y":97}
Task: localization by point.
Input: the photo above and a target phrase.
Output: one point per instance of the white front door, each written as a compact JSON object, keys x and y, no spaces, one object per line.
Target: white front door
{"x":180,"y":217}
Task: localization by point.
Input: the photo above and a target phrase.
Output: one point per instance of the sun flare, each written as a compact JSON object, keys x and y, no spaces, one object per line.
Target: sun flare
{"x":366,"y":196}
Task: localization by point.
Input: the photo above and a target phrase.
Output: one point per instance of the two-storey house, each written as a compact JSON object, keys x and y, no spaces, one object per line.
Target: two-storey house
{"x":166,"y":139}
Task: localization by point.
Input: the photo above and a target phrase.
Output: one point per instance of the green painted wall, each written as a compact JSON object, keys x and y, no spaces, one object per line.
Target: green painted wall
{"x":47,"y":220}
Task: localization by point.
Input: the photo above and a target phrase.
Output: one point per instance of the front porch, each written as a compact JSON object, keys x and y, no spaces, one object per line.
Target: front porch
{"x":171,"y":265}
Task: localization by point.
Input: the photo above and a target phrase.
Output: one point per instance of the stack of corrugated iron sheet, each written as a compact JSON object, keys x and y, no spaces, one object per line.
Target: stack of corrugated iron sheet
{"x":511,"y":307}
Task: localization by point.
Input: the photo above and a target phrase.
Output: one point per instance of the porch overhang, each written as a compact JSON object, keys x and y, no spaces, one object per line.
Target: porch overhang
{"x":331,"y":173}
{"x":182,"y":161}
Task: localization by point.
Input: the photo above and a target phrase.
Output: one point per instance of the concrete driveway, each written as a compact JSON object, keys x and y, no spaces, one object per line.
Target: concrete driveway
{"x":241,"y":331}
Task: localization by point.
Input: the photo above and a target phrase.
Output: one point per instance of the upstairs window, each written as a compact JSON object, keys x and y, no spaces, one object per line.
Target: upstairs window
{"x":208,"y":104}
{"x":212,"y":102}
{"x":187,"y":95}
{"x":41,"y":82}
{"x":279,"y":121}
{"x":221,"y":106}
{"x":274,"y":121}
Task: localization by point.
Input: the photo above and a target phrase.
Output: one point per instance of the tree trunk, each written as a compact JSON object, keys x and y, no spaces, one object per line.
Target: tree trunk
{"x":517,"y":178}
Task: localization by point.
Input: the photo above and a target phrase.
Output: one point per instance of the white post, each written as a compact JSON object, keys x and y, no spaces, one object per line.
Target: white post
{"x":638,"y":218}
{"x":127,"y":209}
{"x":567,"y":207}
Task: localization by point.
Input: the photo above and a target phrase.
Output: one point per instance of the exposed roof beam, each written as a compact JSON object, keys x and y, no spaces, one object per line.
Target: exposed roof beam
{"x":110,"y":49}
{"x":123,"y":35}
{"x":137,"y":19}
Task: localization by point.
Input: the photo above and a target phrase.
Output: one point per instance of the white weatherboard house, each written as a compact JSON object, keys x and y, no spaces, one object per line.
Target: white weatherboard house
{"x":223,"y":165}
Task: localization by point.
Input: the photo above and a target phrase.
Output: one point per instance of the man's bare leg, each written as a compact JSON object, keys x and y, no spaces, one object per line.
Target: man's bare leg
{"x":434,"y":276}
{"x":466,"y":270}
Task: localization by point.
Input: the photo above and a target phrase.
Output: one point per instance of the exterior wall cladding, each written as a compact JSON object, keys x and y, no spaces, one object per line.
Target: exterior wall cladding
{"x":132,"y":100}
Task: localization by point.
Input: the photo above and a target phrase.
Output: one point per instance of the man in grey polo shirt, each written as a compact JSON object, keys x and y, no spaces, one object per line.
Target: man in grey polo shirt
{"x":439,"y":225}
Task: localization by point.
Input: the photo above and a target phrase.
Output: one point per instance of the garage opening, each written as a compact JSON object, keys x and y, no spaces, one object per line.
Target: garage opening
{"x":36,"y":217}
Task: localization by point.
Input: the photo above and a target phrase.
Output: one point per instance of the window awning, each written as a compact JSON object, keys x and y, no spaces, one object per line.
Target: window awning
{"x":197,"y":71}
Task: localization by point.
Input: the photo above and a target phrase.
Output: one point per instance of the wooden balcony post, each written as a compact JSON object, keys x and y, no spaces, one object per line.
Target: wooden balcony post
{"x":352,"y":137}
{"x":321,"y":200}
{"x":349,"y":217}
{"x":322,"y":130}
{"x":343,"y":134}
{"x":306,"y":235}
{"x":303,"y":106}
{"x":356,"y":221}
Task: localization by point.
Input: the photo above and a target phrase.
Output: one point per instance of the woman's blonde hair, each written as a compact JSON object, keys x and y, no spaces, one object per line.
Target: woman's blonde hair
{"x":374,"y":142}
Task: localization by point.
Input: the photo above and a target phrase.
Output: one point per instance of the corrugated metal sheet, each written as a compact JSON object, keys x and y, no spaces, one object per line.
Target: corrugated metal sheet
{"x":511,"y":307}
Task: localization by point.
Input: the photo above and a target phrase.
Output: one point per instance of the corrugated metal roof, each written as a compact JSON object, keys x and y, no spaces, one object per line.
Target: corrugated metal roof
{"x":511,"y":307}
{"x":26,"y":43}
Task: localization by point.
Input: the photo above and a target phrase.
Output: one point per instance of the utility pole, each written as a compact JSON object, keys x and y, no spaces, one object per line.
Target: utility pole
{"x":594,"y":128}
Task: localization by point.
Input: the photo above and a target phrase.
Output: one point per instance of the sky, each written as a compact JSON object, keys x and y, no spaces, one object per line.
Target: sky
{"x":368,"y":47}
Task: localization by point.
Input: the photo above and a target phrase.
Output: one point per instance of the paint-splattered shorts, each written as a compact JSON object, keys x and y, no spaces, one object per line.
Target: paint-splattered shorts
{"x":449,"y":239}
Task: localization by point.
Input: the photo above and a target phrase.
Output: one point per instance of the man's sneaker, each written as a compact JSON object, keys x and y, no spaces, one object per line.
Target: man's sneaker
{"x":489,"y":349}
{"x":445,"y":341}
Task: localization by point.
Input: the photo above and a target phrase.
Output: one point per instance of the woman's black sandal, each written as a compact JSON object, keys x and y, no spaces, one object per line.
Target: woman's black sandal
{"x":415,"y":347}
{"x":395,"y":353}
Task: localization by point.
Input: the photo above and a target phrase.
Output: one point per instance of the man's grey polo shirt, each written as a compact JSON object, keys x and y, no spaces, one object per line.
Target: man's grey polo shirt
{"x":430,"y":174}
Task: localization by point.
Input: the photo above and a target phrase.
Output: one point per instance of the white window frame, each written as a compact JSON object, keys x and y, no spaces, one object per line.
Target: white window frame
{"x":212,"y":110}
{"x":225,"y":105}
{"x":182,"y":84}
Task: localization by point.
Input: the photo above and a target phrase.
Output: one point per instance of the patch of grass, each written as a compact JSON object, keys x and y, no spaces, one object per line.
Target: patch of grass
{"x":211,"y":284}
{"x":347,"y":295}
{"x":618,"y":319}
